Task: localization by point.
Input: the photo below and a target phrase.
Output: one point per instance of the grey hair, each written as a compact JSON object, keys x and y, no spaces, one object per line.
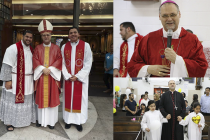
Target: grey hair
{"x":171,"y":80}
{"x":170,"y":3}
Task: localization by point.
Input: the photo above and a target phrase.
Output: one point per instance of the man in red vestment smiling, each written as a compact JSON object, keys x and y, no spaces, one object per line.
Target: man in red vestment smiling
{"x":185,"y":58}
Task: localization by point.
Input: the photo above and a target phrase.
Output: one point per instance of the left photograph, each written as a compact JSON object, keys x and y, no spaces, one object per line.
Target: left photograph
{"x":56,"y":62}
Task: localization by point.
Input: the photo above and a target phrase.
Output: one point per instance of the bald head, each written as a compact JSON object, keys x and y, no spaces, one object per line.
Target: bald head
{"x":166,"y":4}
{"x":171,"y":85}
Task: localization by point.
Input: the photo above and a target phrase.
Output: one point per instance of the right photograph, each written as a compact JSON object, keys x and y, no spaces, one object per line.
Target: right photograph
{"x":161,"y":38}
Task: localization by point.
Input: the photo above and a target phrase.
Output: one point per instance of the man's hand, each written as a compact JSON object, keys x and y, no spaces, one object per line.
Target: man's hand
{"x":168,"y":116}
{"x":73,"y":78}
{"x":147,"y":129}
{"x":158,"y":70}
{"x":179,"y":118}
{"x":199,"y":125}
{"x":46,"y":71}
{"x":106,"y":69}
{"x":116,"y":73}
{"x":133,"y":112}
{"x":170,"y":54}
{"x":8,"y":85}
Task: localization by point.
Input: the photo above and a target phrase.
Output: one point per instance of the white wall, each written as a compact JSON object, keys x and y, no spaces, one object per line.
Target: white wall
{"x":144,"y":15}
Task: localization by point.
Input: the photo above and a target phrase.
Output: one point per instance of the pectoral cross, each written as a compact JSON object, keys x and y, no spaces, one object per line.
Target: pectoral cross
{"x":176,"y":107}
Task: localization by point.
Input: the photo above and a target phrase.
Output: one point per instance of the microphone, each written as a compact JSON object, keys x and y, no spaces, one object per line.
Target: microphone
{"x":169,"y":37}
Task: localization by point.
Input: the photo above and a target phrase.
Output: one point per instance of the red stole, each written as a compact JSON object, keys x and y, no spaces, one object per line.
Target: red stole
{"x":124,"y":55}
{"x":20,"y":83}
{"x":77,"y":92}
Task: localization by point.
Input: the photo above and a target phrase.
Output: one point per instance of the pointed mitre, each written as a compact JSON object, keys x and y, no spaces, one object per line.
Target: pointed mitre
{"x":45,"y":26}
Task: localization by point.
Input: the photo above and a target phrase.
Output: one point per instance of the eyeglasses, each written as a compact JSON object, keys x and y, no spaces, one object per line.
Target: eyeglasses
{"x":171,"y":15}
{"x":46,"y":35}
{"x":73,"y":32}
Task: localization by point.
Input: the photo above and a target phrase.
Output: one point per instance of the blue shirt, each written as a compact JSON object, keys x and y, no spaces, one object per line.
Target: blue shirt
{"x":109,"y":63}
{"x":131,"y":106}
{"x":205,"y":104}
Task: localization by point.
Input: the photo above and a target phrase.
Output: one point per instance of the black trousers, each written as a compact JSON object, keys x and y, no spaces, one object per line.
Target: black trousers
{"x":205,"y":114}
{"x":108,"y":77}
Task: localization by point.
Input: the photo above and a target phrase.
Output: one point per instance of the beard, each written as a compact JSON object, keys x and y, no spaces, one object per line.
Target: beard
{"x":172,"y":27}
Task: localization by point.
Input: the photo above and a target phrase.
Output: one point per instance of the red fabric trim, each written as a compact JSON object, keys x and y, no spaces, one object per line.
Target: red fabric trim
{"x":20,"y":84}
{"x":45,"y":31}
{"x":77,"y":93}
{"x":45,"y":25}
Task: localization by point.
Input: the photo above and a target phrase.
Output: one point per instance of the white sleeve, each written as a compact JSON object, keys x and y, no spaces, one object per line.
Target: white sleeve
{"x":143,"y":72}
{"x":117,"y":57}
{"x":55,"y":73}
{"x":84,"y":72}
{"x":162,"y":119}
{"x":144,"y":123}
{"x":66,"y":75}
{"x":178,"y":69}
{"x":186,"y":121}
{"x":38,"y":72}
{"x":202,"y":122}
{"x":10,"y":56}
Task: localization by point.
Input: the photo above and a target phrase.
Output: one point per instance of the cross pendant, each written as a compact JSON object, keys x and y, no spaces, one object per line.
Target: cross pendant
{"x":176,"y":107}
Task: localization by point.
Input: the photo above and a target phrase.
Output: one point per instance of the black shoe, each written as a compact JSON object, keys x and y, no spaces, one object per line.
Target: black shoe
{"x":67,"y":126}
{"x":37,"y":124}
{"x":51,"y":127}
{"x":79,"y":128}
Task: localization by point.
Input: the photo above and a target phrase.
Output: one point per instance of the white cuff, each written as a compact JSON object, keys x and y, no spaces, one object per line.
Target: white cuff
{"x":178,"y":69}
{"x":143,"y":72}
{"x":38,"y":72}
{"x":55,"y":73}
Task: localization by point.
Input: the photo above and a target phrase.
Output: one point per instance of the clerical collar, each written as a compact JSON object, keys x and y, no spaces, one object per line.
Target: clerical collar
{"x":24,"y":46}
{"x":132,"y":37}
{"x":75,"y":42}
{"x":175,"y":34}
{"x":47,"y":45}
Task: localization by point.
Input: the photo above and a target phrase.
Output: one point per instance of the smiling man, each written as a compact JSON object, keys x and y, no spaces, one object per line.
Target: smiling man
{"x":185,"y":58}
{"x":47,"y":65}
{"x":77,"y":62}
{"x":17,"y":107}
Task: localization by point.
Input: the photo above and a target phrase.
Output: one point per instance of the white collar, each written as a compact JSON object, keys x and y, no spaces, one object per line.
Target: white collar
{"x":175,"y":34}
{"x":132,"y":37}
{"x":73,"y":43}
{"x":24,"y":46}
{"x":47,"y":45}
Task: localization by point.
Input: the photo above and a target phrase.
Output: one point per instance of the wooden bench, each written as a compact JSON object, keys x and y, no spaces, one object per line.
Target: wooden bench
{"x":206,"y":130}
{"x":125,"y":129}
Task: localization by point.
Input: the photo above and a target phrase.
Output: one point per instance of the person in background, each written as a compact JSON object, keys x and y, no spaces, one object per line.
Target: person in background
{"x":142,"y":110}
{"x":159,"y":94}
{"x":195,"y":100}
{"x":184,"y":95}
{"x":157,"y":101}
{"x":187,"y":107}
{"x":205,"y":103}
{"x":117,"y":99}
{"x":145,"y":100}
{"x":108,"y":66}
{"x":123,"y":98}
{"x":146,"y":93}
{"x":142,"y":97}
{"x":131,"y":106}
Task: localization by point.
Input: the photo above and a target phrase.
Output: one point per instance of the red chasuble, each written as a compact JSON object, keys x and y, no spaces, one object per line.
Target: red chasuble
{"x":151,"y":48}
{"x":124,"y":55}
{"x":77,"y":92}
{"x":20,"y":86}
{"x":46,"y":87}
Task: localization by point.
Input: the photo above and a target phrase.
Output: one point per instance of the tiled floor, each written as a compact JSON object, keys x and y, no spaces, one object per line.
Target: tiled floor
{"x":99,"y":125}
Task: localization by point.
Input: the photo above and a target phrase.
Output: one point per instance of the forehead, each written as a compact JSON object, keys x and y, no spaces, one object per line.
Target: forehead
{"x":171,"y":82}
{"x":28,"y":34}
{"x":207,"y":88}
{"x":44,"y":33}
{"x":73,"y":30}
{"x":168,"y":8}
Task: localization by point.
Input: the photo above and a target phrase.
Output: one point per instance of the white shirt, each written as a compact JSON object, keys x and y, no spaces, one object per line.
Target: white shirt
{"x":178,"y":69}
{"x":131,"y":46}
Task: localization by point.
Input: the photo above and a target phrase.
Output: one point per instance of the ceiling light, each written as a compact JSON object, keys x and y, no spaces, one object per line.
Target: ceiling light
{"x":27,"y":10}
{"x":31,"y":14}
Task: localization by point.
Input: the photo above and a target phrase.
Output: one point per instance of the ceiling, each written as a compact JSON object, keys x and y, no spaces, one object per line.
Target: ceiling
{"x":96,"y":16}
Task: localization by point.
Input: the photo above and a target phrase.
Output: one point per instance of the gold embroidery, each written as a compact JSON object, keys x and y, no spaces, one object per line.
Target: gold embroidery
{"x":79,"y":60}
{"x":137,"y":44}
{"x":67,"y":60}
{"x":73,"y":111}
{"x":46,"y":82}
{"x":20,"y":96}
{"x":123,"y":59}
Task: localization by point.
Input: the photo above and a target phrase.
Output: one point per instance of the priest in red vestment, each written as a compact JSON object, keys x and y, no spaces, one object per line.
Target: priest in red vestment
{"x":47,"y":65}
{"x":185,"y":58}
{"x":124,"y":52}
